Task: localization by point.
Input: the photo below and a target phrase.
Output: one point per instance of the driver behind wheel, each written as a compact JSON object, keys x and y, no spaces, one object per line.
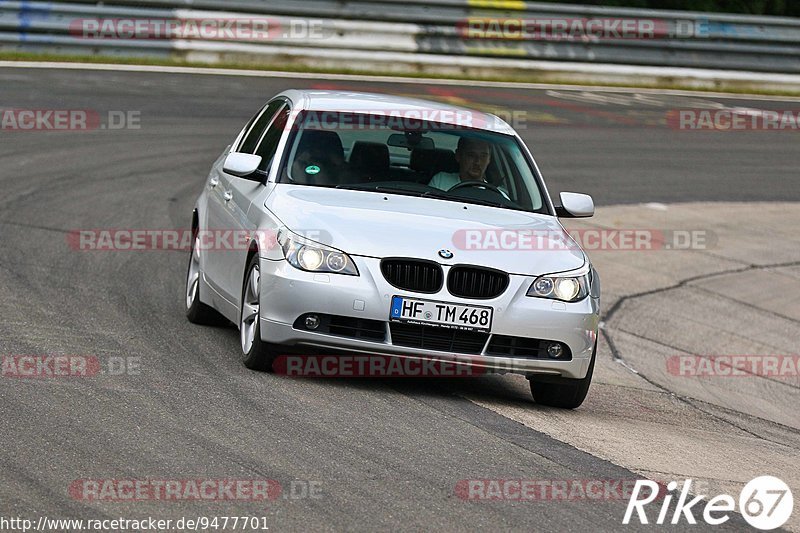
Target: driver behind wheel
{"x":473,"y":157}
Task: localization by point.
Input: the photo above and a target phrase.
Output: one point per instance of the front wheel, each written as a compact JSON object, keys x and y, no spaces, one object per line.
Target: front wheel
{"x":557,"y":391}
{"x":257,"y":353}
{"x":196,"y":311}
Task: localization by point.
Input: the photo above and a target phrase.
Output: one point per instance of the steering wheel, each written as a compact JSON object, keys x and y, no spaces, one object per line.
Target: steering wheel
{"x":480,"y":184}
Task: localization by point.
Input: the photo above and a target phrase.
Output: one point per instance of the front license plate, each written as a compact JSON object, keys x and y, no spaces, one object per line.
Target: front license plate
{"x":441,"y":314}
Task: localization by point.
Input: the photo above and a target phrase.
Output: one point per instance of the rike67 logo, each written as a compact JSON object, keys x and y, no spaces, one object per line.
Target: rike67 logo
{"x":765,"y":503}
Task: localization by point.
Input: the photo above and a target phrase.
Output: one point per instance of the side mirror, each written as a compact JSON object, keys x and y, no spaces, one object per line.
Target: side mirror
{"x":575,"y":205}
{"x":242,"y":165}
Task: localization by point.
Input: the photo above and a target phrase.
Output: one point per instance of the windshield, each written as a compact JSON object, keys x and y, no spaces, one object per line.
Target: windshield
{"x":389,"y":154}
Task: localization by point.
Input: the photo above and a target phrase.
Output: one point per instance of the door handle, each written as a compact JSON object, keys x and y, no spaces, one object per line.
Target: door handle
{"x":213,"y":182}
{"x":228,"y":196}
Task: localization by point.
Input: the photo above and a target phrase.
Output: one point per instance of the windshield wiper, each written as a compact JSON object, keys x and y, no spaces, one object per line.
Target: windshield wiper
{"x":423,"y":194}
{"x":397,"y":190}
{"x":445,"y":196}
{"x":479,"y":202}
{"x":384,"y":188}
{"x":442,"y":195}
{"x":436,"y":194}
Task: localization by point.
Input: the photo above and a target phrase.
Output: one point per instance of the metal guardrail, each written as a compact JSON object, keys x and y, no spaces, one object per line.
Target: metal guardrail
{"x":413,"y":31}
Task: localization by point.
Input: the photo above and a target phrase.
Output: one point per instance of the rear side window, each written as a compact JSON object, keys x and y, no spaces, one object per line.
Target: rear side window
{"x":257,"y":127}
{"x":269,"y":144}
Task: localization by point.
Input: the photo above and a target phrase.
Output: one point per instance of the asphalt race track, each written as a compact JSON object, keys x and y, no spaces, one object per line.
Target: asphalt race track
{"x":386,"y":454}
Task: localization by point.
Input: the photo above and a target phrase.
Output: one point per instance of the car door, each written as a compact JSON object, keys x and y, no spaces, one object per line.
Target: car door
{"x":227,"y":209}
{"x":243,"y":191}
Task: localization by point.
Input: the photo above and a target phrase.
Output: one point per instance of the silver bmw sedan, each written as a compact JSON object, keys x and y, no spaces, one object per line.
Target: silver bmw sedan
{"x":356,"y":223}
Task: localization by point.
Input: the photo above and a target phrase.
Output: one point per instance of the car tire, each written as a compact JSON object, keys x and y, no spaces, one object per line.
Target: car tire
{"x":196,"y":311}
{"x":257,"y":354}
{"x":566,"y":393}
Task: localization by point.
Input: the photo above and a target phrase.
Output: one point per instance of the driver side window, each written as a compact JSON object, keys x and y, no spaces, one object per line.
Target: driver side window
{"x":256,"y":128}
{"x":269,"y":143}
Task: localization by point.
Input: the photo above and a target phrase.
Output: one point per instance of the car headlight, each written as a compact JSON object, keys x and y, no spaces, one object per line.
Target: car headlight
{"x":314,"y":257}
{"x":565,"y":286}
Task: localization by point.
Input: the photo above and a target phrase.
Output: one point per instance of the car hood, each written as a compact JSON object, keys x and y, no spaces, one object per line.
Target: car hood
{"x":391,"y":225}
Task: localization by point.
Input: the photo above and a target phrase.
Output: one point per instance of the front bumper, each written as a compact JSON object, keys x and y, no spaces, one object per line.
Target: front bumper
{"x":288,"y":293}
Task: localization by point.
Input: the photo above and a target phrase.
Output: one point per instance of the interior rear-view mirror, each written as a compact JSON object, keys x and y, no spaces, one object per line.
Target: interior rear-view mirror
{"x":411,"y":142}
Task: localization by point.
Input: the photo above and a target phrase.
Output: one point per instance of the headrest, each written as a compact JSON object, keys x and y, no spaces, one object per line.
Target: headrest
{"x":321,"y":143}
{"x":369,"y":156}
{"x":433,"y":160}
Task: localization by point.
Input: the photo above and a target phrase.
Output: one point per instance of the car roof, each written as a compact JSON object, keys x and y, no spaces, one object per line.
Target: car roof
{"x":391,"y":105}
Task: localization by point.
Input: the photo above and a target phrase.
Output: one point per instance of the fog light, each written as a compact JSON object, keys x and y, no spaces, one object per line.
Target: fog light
{"x":555,"y":350}
{"x":312,"y":322}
